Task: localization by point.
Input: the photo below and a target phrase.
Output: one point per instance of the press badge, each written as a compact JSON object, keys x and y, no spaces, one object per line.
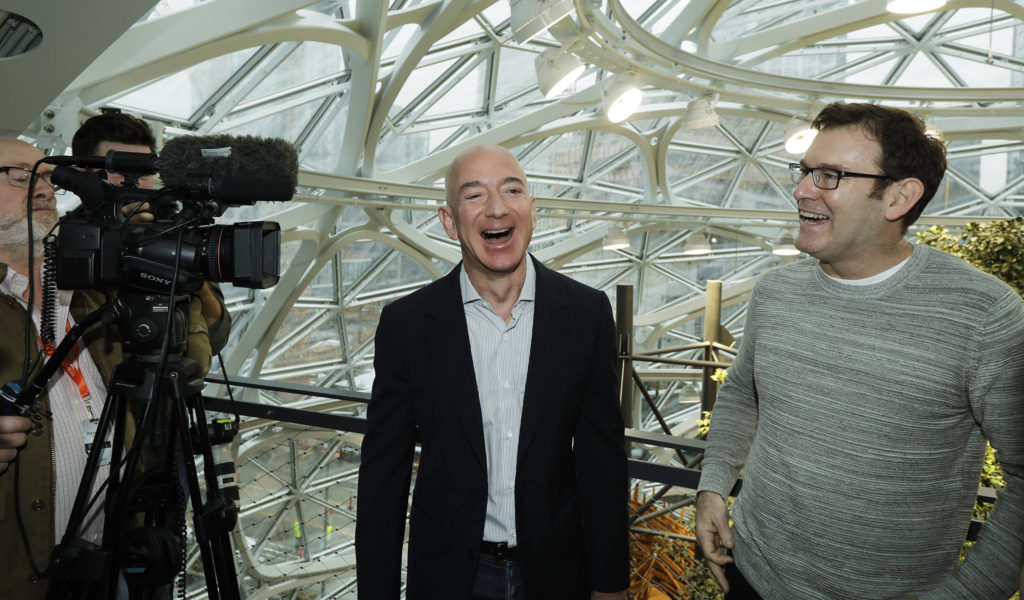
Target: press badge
{"x":89,"y":428}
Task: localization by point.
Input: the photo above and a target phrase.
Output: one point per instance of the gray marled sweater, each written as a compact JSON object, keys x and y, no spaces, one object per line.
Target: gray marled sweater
{"x":859,"y":415}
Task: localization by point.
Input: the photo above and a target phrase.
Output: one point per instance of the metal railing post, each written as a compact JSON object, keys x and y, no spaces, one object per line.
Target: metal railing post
{"x":624,"y":348}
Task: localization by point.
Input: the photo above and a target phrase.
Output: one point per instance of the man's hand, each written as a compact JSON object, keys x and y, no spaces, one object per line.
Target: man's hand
{"x":136,"y":213}
{"x":13,"y":435}
{"x":211,"y":307}
{"x":714,"y":534}
{"x":609,"y":595}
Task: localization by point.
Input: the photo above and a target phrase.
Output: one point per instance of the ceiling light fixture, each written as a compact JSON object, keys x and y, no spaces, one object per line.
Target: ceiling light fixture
{"x":621,"y":99}
{"x":785,"y":246}
{"x":909,"y":7}
{"x":697,"y":244}
{"x":798,"y":135}
{"x":615,"y":239}
{"x":557,"y":69}
{"x":531,"y":18}
{"x":700,"y":112}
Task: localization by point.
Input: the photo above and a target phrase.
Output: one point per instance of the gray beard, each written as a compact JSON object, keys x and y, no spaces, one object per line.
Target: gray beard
{"x":14,"y":235}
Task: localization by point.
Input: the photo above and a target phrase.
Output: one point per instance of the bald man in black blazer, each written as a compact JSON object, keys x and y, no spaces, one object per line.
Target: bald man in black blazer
{"x":567,"y":538}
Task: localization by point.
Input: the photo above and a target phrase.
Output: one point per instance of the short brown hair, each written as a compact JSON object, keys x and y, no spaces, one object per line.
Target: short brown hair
{"x":908,"y":148}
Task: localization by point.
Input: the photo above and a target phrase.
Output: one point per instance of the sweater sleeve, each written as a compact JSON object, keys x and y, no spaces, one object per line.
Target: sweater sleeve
{"x":734,"y":418}
{"x":996,"y":395}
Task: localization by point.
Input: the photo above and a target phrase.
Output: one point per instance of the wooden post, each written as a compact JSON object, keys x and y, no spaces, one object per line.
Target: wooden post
{"x":712,"y":324}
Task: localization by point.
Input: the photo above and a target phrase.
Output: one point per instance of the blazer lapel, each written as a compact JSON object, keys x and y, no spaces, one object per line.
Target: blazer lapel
{"x":549,"y":326}
{"x":448,"y":336}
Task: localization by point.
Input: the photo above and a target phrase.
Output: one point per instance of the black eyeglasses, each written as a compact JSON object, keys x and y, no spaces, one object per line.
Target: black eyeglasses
{"x":20,"y":177}
{"x":824,"y":178}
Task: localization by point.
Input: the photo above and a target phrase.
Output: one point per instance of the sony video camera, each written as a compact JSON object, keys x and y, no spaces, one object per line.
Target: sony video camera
{"x":98,"y":247}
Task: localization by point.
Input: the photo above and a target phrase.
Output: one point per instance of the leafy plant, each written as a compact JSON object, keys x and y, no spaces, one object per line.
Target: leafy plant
{"x":996,"y":247}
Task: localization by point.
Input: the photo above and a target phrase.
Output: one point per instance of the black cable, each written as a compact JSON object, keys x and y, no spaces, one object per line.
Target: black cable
{"x":48,"y":317}
{"x":182,"y":508}
{"x":26,"y":367}
{"x":231,"y":395}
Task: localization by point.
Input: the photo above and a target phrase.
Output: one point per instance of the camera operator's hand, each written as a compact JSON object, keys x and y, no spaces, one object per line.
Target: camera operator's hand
{"x":136,"y":213}
{"x":13,"y":435}
{"x":211,"y":307}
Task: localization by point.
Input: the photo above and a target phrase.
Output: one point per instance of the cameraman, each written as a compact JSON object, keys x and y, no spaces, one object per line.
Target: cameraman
{"x":114,"y":130}
{"x":51,"y":464}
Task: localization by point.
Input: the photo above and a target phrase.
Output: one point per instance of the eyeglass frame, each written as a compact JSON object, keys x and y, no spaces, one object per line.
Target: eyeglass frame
{"x":803,"y":171}
{"x":45,"y":177}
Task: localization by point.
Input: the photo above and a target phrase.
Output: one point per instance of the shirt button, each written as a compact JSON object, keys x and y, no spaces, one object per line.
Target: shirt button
{"x":37,"y":505}
{"x":506,"y":385}
{"x":504,"y":336}
{"x":509,"y":434}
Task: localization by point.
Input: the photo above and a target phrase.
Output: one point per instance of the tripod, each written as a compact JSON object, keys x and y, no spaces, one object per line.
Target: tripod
{"x":157,"y":406}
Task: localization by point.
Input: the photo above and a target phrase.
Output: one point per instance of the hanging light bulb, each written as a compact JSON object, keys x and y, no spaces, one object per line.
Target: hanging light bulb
{"x":621,"y":99}
{"x":700,"y":113}
{"x":697,"y":244}
{"x":785,"y":246}
{"x":798,"y":135}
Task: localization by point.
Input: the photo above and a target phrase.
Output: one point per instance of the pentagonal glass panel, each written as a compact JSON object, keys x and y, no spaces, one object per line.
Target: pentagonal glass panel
{"x":563,"y":156}
{"x":516,"y":72}
{"x":309,"y":62}
{"x":278,"y":119}
{"x":467,"y":93}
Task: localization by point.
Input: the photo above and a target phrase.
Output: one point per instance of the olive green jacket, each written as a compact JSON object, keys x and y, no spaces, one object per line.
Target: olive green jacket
{"x":37,"y":480}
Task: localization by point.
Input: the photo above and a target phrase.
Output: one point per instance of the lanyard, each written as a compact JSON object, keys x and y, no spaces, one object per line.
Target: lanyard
{"x":71,"y":368}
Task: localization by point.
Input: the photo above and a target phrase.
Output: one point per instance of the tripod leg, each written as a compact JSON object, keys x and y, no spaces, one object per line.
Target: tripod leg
{"x":217,"y":515}
{"x":81,"y":569}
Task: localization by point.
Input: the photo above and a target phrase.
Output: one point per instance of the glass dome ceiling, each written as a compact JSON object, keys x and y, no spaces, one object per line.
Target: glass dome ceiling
{"x":380,"y":97}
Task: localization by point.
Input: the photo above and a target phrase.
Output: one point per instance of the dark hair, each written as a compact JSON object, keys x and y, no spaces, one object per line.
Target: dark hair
{"x":111,"y":127}
{"x":908,"y":149}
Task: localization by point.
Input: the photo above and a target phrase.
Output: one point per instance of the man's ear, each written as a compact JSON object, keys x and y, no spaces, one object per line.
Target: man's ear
{"x":908,"y":192}
{"x":444,"y":213}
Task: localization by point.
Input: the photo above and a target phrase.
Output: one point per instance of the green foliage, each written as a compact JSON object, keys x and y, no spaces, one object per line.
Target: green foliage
{"x":996,"y":247}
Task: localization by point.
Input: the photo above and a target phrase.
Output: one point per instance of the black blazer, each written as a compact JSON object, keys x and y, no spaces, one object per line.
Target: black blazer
{"x":571,"y":480}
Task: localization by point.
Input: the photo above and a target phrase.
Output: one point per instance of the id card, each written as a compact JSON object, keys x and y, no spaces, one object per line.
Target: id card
{"x":89,"y":428}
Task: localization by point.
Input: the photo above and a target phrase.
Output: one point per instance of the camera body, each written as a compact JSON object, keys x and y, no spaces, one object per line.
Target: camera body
{"x":98,"y":248}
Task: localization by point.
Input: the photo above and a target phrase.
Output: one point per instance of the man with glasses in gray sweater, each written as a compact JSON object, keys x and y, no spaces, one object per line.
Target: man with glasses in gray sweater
{"x":868,"y":381}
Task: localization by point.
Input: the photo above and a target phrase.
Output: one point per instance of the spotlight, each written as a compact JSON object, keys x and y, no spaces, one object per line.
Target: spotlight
{"x":531,"y":18}
{"x":700,"y":112}
{"x":798,"y":135}
{"x":697,"y":244}
{"x":908,"y":7}
{"x":557,"y":69}
{"x":784,"y":246}
{"x":615,"y":239}
{"x":621,"y":99}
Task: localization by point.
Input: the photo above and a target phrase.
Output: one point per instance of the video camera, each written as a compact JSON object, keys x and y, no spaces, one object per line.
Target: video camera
{"x":98,"y":248}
